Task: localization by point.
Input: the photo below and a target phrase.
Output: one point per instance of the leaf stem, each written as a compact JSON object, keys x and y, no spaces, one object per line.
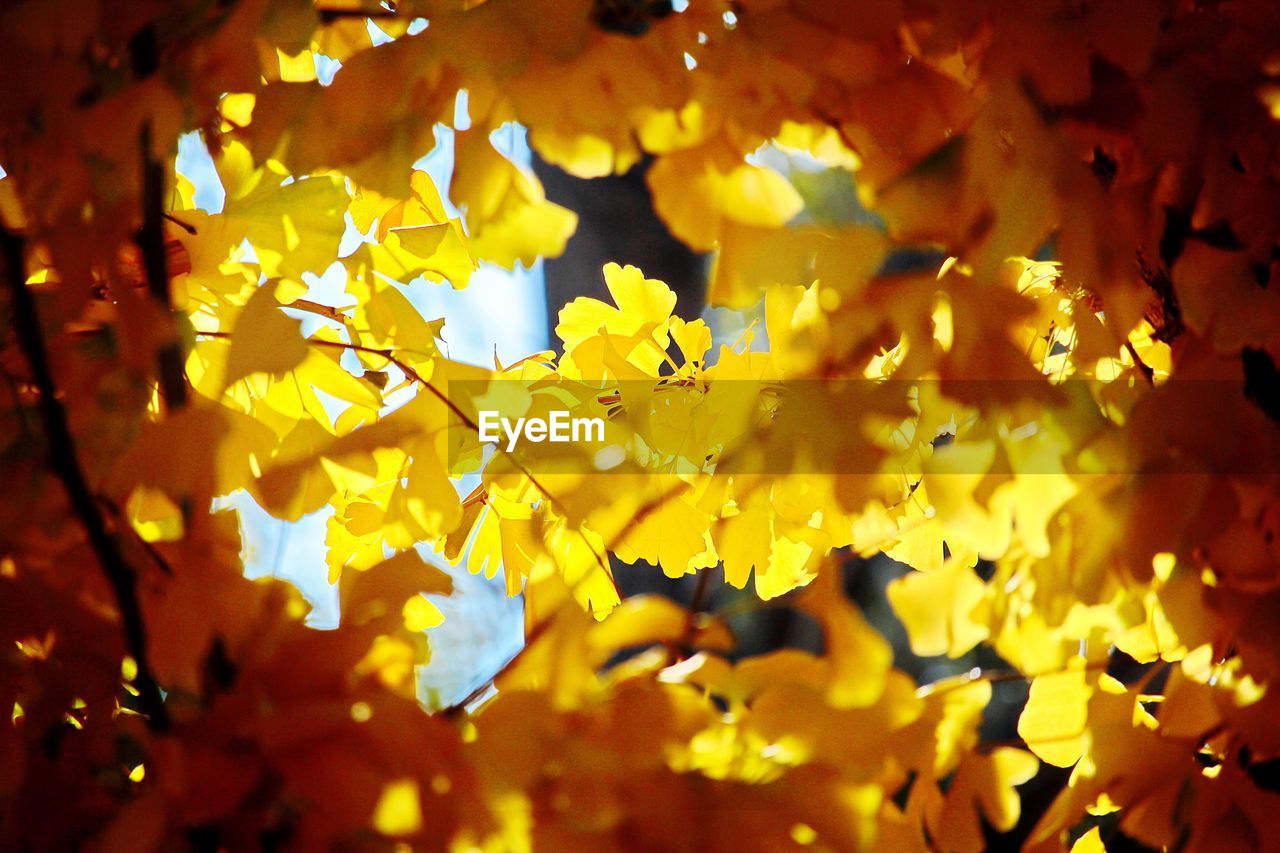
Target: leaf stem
{"x":190,"y":229}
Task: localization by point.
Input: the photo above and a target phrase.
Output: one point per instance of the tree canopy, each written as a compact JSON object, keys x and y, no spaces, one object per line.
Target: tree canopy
{"x":1016,"y":271}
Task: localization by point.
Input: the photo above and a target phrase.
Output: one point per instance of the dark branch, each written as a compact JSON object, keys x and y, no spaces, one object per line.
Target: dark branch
{"x":65,"y":464}
{"x":329,"y":14}
{"x":173,"y":381}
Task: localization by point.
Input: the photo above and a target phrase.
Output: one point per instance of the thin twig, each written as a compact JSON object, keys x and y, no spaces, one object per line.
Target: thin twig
{"x":65,"y":464}
{"x":190,"y":229}
{"x":698,"y":600}
{"x":996,"y":676}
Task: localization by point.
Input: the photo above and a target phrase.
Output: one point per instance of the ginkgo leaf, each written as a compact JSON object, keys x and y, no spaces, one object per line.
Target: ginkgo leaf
{"x":697,"y":195}
{"x":646,"y":620}
{"x":382,"y":590}
{"x":264,"y":339}
{"x":860,"y":657}
{"x":507,"y":212}
{"x":1053,"y":723}
{"x":643,"y":308}
{"x":294,"y":226}
{"x":984,"y":785}
{"x":1090,"y":842}
{"x":422,"y":240}
{"x":937,"y":608}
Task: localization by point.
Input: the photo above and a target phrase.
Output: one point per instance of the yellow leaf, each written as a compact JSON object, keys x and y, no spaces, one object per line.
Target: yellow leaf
{"x":296,"y":69}
{"x":1090,"y":842}
{"x":860,"y":657}
{"x":647,"y":619}
{"x":422,"y":240}
{"x":697,"y":194}
{"x":399,"y":808}
{"x":263,"y":339}
{"x":508,"y":215}
{"x":383,"y":589}
{"x":675,"y":537}
{"x":420,"y":614}
{"x":643,"y":309}
{"x":986,"y":782}
{"x":294,"y":227}
{"x":936,"y":609}
{"x":1054,"y":719}
{"x":757,"y":196}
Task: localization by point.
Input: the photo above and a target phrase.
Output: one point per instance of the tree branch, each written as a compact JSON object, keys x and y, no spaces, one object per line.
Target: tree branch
{"x":329,"y":14}
{"x":65,"y":464}
{"x":170,"y":361}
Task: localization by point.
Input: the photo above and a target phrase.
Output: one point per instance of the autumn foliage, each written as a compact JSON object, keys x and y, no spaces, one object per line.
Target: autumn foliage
{"x":1053,"y":288}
